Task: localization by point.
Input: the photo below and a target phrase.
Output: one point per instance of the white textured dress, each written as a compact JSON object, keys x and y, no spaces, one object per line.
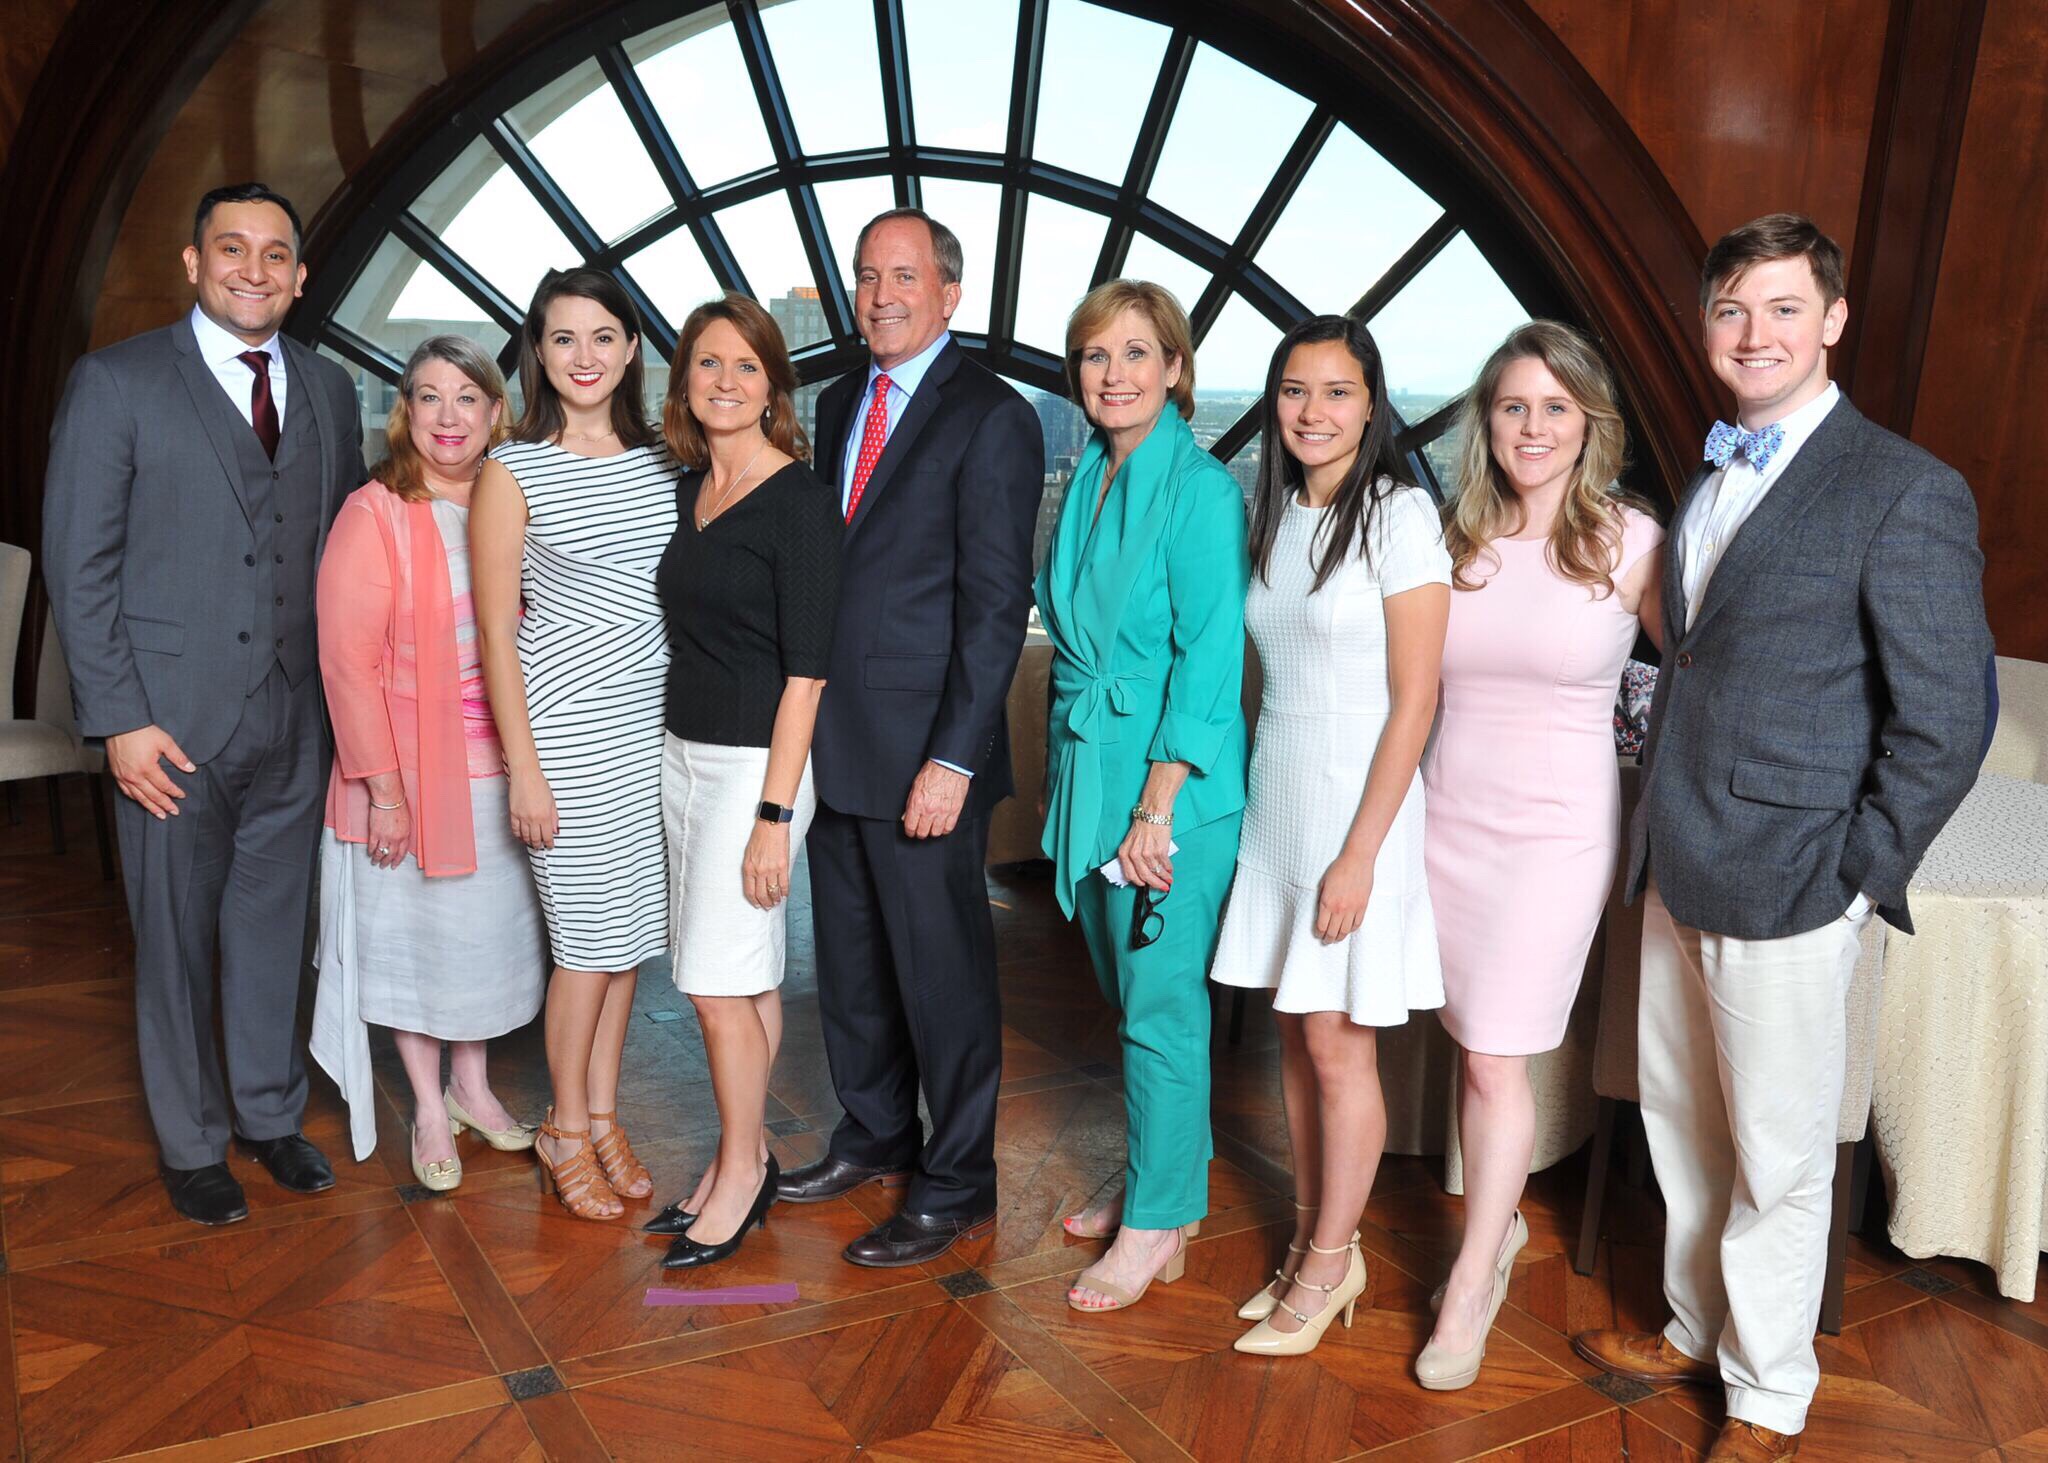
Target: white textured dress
{"x":594,"y":649}
{"x":1324,"y":704}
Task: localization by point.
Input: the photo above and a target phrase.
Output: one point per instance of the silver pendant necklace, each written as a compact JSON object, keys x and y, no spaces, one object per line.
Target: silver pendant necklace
{"x":704,"y":519}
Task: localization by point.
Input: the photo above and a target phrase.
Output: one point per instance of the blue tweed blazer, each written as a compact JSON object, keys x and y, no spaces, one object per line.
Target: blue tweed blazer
{"x":1819,"y":721}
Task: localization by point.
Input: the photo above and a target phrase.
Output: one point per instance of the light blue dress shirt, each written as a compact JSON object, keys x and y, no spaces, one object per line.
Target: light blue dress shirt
{"x":904,"y":379}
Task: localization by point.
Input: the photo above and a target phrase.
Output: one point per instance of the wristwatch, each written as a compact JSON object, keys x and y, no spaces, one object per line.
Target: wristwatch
{"x":775,"y":813}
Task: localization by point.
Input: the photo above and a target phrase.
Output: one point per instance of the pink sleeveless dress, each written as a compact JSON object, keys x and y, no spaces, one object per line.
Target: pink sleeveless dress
{"x":1523,"y":800}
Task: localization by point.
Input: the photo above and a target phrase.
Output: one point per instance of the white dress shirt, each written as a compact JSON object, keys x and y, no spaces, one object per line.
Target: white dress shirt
{"x":1723,"y":504}
{"x":1727,"y":498}
{"x":219,"y":350}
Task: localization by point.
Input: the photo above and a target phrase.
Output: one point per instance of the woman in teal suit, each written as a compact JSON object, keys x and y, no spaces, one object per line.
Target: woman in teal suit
{"x":1142,"y":593}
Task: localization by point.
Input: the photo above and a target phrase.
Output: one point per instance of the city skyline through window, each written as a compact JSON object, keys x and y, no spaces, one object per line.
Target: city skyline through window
{"x":744,"y":146}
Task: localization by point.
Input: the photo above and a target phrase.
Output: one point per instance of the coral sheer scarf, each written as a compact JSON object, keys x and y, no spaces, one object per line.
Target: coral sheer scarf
{"x":389,"y":663}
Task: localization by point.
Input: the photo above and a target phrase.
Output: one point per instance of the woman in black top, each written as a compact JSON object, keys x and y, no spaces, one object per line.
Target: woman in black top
{"x":749,"y":585}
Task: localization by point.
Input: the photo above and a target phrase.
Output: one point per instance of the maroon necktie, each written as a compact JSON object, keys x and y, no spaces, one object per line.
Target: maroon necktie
{"x":262,"y":410}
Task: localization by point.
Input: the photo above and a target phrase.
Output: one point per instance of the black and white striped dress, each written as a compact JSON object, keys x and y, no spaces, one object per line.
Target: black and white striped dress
{"x":594,"y":648}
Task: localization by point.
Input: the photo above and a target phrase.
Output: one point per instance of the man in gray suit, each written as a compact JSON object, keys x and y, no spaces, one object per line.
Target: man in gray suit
{"x":1818,"y":718}
{"x":194,"y":471}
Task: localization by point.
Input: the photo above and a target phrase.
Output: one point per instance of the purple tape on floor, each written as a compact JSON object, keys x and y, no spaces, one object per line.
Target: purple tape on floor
{"x":738,"y":1295}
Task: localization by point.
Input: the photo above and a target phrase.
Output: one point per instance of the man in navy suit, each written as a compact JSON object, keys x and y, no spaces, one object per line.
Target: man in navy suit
{"x":939,"y":466}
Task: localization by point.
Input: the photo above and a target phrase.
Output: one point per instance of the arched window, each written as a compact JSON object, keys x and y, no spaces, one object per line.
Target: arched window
{"x":741,"y":146}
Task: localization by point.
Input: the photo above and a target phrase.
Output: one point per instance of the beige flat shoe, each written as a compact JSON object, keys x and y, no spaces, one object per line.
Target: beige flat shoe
{"x":1442,"y":1370}
{"x":515,"y":1139}
{"x":442,"y":1174}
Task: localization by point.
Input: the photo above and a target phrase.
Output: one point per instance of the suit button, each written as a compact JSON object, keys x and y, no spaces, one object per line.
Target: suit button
{"x":277,"y":558}
{"x":243,"y":637}
{"x":1685,"y":660}
{"x":278,"y":516}
{"x":280,"y":601}
{"x":250,"y":560}
{"x":279,"y":642}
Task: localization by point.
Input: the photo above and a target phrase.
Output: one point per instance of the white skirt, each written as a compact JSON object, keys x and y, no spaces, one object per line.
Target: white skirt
{"x":720,"y":945}
{"x":461,"y":958}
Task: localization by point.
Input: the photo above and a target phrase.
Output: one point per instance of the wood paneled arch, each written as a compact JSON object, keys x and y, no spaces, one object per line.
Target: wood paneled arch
{"x":1573,"y":200}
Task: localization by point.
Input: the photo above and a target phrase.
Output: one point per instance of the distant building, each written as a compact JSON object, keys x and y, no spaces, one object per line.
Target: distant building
{"x":800,"y":315}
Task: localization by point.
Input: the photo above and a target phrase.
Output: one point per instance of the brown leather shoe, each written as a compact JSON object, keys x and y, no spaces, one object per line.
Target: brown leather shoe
{"x":1745,"y":1442}
{"x":1640,"y":1358}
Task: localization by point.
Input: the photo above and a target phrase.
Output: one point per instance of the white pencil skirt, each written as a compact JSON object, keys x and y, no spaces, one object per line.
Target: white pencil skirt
{"x":719,"y":944}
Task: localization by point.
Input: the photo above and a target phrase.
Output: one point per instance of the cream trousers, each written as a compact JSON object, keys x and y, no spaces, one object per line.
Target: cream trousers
{"x":1742,"y":1053}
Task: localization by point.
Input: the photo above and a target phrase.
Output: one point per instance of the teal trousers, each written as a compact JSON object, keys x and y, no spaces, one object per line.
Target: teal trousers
{"x":1161,"y":996}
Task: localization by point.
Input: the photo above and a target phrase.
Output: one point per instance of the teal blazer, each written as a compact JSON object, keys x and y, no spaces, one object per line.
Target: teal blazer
{"x":1145,"y":609}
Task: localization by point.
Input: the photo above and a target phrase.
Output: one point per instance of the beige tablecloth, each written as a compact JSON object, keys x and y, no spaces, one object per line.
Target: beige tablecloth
{"x":1960,"y":1106}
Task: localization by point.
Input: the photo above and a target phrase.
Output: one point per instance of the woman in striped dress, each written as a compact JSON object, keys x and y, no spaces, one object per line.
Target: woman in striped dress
{"x":568,"y":524}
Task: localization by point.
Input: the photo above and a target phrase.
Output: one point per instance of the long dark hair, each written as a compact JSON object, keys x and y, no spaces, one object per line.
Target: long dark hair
{"x":1376,"y":472}
{"x":543,"y":419}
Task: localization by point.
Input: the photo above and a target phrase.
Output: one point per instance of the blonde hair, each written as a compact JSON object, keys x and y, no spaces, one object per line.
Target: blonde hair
{"x":1161,"y":310}
{"x":1585,"y":543}
{"x":401,"y":470}
{"x":764,"y":337}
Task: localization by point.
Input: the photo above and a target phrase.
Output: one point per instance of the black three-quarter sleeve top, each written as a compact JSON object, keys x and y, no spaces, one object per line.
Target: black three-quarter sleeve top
{"x":750,"y":601}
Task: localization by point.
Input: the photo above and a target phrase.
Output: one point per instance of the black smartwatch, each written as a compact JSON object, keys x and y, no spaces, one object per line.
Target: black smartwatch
{"x":775,"y":813}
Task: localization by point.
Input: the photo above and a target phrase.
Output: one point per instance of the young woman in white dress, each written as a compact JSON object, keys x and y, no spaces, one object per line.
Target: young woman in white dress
{"x":1330,"y":909}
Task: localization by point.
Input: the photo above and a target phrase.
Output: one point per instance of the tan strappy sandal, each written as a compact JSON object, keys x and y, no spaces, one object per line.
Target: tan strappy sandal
{"x":577,"y":1180}
{"x":1120,"y":1299}
{"x":627,"y":1175}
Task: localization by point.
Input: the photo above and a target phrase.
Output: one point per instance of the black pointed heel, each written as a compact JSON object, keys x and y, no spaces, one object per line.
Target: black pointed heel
{"x":686,"y":1254}
{"x":673,"y":1220}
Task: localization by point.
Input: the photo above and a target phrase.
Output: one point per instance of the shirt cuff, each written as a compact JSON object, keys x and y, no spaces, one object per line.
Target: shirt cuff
{"x":1858,"y":907}
{"x":951,"y":766}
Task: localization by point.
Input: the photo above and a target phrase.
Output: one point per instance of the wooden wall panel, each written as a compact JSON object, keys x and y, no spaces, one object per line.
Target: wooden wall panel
{"x":1748,"y":106}
{"x":302,"y":97}
{"x":25,"y":39}
{"x":1986,"y":369}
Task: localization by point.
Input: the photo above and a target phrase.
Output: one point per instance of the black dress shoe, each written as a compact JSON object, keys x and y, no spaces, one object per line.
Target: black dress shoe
{"x":295,"y":1164}
{"x":206,"y":1195}
{"x":830,"y":1177}
{"x":686,"y":1254}
{"x":673,"y":1220}
{"x":912,"y":1239}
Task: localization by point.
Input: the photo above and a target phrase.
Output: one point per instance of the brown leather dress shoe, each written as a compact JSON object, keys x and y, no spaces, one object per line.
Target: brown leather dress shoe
{"x":1641,"y":1358}
{"x":1745,"y":1442}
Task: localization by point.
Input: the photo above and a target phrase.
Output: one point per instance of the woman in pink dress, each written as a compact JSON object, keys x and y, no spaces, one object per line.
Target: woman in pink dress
{"x":1553,"y":572}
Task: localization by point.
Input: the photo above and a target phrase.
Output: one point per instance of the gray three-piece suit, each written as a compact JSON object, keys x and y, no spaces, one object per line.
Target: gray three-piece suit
{"x":180,"y":560}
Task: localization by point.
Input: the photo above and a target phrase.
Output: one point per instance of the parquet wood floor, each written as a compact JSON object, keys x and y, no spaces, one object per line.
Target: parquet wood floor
{"x":376,"y":1322}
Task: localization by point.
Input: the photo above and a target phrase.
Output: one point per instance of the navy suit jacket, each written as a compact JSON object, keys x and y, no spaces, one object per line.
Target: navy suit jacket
{"x":934,"y":589}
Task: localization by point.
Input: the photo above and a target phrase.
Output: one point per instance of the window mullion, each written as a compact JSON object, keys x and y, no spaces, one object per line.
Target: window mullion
{"x":1025,"y":77}
{"x":1166,"y":90}
{"x":1404,"y":269}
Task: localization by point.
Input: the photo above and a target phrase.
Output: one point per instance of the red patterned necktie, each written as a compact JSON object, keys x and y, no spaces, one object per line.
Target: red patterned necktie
{"x":262,"y":410}
{"x":873,"y":439}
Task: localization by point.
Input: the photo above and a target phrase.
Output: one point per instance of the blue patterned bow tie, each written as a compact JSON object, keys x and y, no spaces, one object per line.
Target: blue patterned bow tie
{"x":1759,"y":447}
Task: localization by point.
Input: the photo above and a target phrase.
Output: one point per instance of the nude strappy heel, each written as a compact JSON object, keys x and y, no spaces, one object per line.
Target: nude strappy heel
{"x":1264,"y":1340}
{"x":577,"y":1180}
{"x":627,"y":1175}
{"x":1265,"y":1301}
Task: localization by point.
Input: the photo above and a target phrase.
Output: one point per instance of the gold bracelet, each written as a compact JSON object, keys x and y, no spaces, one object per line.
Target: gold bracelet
{"x":387,"y":807}
{"x":1157,"y":820}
